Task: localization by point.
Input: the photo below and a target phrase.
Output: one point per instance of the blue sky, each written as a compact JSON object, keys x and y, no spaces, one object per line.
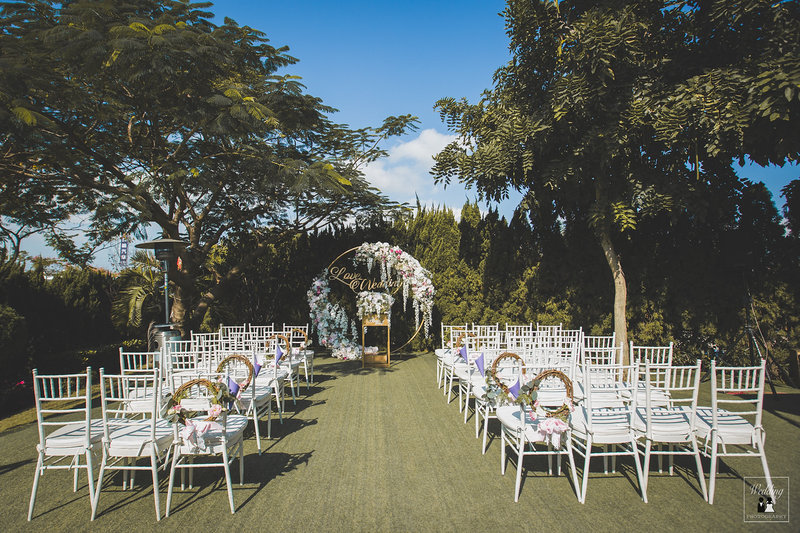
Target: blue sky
{"x":372,"y":59}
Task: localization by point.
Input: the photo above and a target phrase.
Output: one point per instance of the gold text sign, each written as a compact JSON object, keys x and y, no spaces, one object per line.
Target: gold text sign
{"x":357,"y":282}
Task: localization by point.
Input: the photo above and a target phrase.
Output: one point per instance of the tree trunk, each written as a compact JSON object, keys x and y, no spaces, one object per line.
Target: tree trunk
{"x":620,"y":288}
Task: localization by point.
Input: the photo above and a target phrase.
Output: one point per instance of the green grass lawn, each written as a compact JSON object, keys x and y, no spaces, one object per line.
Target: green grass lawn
{"x":380,"y":450}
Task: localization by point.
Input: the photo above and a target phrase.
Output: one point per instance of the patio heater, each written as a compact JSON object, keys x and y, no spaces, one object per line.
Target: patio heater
{"x":165,"y":250}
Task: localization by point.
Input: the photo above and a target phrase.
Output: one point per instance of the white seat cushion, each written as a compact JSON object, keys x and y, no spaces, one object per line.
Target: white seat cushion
{"x":668,"y":425}
{"x":733,"y":428}
{"x":71,"y":438}
{"x":609,"y":425}
{"x":132,"y":437}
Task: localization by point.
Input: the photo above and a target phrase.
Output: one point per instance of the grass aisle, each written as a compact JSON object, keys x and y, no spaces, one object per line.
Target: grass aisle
{"x":380,"y":450}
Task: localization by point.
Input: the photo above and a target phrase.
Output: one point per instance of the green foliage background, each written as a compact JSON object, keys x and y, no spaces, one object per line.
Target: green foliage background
{"x":689,"y":282}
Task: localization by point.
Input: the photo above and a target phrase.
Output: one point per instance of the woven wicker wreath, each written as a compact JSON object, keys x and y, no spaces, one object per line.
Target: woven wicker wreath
{"x":493,"y":371}
{"x":563,"y":411}
{"x":304,"y":334}
{"x":278,"y":336}
{"x":245,"y":361}
{"x":461,"y":338}
{"x":182,"y":391}
{"x":454,"y":335}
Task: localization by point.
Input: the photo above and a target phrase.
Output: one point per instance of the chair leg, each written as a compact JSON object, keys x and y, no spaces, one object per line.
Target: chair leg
{"x":485,"y":428}
{"x":96,"y":496}
{"x":712,"y":470}
{"x":671,"y":460}
{"x":75,"y":473}
{"x":763,"y":455}
{"x":131,"y":462}
{"x":255,"y":423}
{"x":241,"y":462}
{"x":171,"y":480}
{"x":449,"y":387}
{"x":291,"y":387}
{"x":269,"y":418}
{"x":226,"y":466}
{"x":635,"y":449}
{"x":572,"y":465}
{"x":503,"y":459}
{"x":586,"y":461}
{"x":38,"y":473}
{"x":646,"y":465}
{"x":613,"y":459}
{"x":701,"y":477}
{"x":191,"y":472}
{"x":90,"y":473}
{"x":156,"y":495}
{"x":520,"y":455}
{"x":558,"y":463}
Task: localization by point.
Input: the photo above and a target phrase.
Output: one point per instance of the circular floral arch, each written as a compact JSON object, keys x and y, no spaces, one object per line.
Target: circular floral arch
{"x":336,"y":330}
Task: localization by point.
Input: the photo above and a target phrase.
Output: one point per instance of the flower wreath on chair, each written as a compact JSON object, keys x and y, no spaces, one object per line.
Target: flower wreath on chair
{"x":527,"y":394}
{"x":552,"y":422}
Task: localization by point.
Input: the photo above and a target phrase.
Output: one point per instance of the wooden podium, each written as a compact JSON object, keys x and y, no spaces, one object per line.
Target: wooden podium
{"x":380,"y":359}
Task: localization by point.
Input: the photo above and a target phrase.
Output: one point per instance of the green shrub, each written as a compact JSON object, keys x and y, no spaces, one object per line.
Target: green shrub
{"x":13,"y":344}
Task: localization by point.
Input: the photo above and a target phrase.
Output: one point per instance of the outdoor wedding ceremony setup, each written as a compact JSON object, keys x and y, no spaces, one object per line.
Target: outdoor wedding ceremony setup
{"x":533,"y":391}
{"x":395,"y":267}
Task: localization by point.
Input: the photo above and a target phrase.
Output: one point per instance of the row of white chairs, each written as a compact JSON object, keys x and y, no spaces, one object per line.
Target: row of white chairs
{"x":132,"y":426}
{"x":644,"y":409}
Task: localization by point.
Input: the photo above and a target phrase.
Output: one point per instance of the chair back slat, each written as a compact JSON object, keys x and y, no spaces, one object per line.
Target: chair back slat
{"x":739,"y":387}
{"x":58,"y":394}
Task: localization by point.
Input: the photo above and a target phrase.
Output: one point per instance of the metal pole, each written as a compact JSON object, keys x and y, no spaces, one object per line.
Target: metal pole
{"x":165,"y":266}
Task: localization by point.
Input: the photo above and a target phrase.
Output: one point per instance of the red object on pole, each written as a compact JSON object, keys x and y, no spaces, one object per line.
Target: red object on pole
{"x":179,"y":263}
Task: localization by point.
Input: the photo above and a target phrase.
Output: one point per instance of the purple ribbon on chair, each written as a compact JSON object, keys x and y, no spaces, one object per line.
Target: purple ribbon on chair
{"x":463,"y":352}
{"x":278,"y":354}
{"x":513,"y":390}
{"x":480,"y":363}
{"x":233,"y":388}
{"x":256,"y":367}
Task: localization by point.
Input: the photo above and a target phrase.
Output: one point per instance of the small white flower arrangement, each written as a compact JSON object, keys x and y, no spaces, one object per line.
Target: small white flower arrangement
{"x":371,"y":303}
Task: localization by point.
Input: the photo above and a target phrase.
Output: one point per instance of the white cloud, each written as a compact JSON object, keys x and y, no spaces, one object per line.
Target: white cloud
{"x":406,"y":171}
{"x":405,"y":175}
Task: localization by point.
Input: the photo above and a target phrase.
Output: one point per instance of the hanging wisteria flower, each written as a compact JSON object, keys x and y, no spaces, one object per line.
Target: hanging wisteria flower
{"x":415,"y":280}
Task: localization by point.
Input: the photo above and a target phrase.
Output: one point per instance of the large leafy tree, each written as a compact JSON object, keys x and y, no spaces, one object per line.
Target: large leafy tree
{"x":144,"y":115}
{"x":613,"y":111}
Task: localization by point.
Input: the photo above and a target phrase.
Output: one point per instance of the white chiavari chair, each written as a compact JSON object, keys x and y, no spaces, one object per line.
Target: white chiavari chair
{"x":132,"y":429}
{"x":732,"y":426}
{"x":66,"y":429}
{"x":671,"y":423}
{"x":606,"y":422}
